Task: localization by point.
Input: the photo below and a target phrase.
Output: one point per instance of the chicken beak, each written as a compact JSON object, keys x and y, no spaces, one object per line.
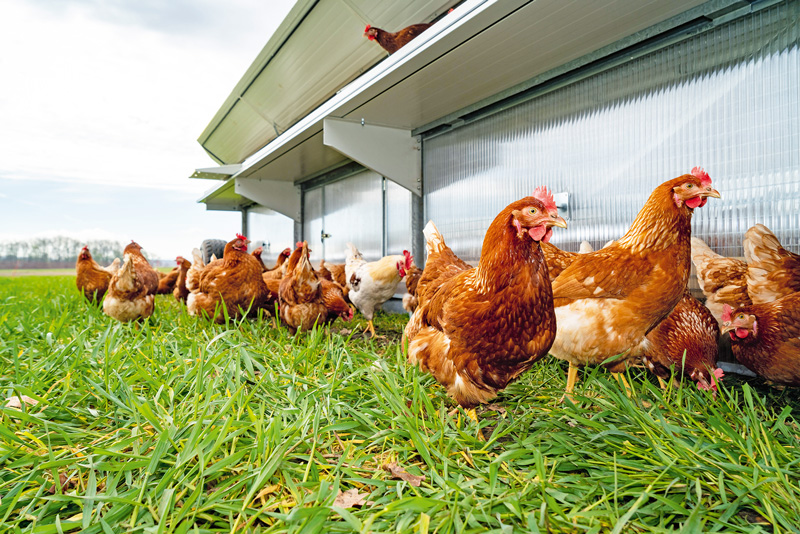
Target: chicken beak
{"x":712,"y":193}
{"x":558,"y":221}
{"x":727,"y":327}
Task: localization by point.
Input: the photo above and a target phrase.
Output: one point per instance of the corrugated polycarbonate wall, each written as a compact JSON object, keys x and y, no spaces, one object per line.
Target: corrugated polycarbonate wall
{"x":354,"y":213}
{"x":727,"y":100}
{"x":270,"y":230}
{"x":312,"y":213}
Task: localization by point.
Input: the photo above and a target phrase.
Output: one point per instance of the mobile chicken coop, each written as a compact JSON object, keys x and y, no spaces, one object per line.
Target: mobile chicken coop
{"x":328,"y":139}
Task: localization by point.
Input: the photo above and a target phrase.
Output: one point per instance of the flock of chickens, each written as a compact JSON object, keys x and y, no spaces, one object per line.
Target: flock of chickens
{"x":478,"y":328}
{"x":239,"y":285}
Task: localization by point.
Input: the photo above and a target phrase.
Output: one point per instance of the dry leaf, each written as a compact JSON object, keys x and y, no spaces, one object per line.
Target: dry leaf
{"x":350,"y":498}
{"x":398,"y":472}
{"x":64,"y":482}
{"x":496,"y":408}
{"x":16,"y":402}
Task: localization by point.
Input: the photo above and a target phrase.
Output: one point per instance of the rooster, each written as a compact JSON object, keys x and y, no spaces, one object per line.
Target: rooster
{"x":478,"y":328}
{"x":772,"y":271}
{"x":687,"y":340}
{"x":131,"y":292}
{"x":180,"y":292}
{"x":92,"y":279}
{"x":392,"y":42}
{"x":722,"y":280}
{"x":370,"y":284}
{"x":607,"y":301}
{"x":765,"y":338}
{"x":300,"y":294}
{"x":234,"y":282}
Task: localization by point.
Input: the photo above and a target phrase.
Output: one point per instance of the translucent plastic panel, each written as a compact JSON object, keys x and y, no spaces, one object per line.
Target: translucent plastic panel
{"x":312,"y":208}
{"x":398,"y":218}
{"x":727,"y":100}
{"x":270,"y":230}
{"x":354,"y":213}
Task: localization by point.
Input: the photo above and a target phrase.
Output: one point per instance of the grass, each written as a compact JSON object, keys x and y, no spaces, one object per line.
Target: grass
{"x":182,"y":426}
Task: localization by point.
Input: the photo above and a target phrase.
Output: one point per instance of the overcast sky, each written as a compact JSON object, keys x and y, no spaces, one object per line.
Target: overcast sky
{"x":101,"y":105}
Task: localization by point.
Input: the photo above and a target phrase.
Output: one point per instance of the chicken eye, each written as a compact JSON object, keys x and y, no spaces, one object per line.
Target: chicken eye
{"x":532,"y":211}
{"x":689,"y":186}
{"x":740,"y":316}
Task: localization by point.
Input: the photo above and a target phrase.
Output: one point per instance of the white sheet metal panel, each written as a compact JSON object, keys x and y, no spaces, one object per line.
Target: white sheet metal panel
{"x":727,"y":100}
{"x":270,"y":230}
{"x":324,"y":51}
{"x":313,"y":221}
{"x":354,"y":213}
{"x":398,"y":218}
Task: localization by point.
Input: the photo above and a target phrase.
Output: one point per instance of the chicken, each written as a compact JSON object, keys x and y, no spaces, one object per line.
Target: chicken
{"x":233,"y":283}
{"x":166,"y":283}
{"x":195,"y":271}
{"x":557,"y":259}
{"x":371,"y":284}
{"x":722,"y":280}
{"x":392,"y":42}
{"x":180,"y":292}
{"x":478,"y":328}
{"x":282,"y":257}
{"x":765,"y":338}
{"x":257,"y":255}
{"x":131,"y":292}
{"x":92,"y":279}
{"x":287,"y":265}
{"x":772,"y":271}
{"x":412,"y":276}
{"x":607,"y":301}
{"x":333,"y":298}
{"x":686,"y":339}
{"x":300,"y":294}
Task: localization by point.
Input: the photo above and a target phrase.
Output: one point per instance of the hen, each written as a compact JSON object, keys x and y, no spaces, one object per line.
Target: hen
{"x":166,"y":283}
{"x":687,"y":340}
{"x":722,"y":280}
{"x":478,"y":328}
{"x":772,"y":271}
{"x":392,"y":42}
{"x":370,"y":284}
{"x":180,"y":291}
{"x":607,"y":301}
{"x":233,"y":284}
{"x":300,"y":294}
{"x":131,"y":292}
{"x":282,"y":257}
{"x":412,"y":276}
{"x":334,"y":300}
{"x":765,"y":338}
{"x":92,"y":279}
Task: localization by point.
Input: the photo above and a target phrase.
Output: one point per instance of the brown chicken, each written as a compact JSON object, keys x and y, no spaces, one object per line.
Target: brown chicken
{"x":166,"y":283}
{"x":686,"y":340}
{"x":607,"y":301}
{"x":257,"y":255}
{"x":234,"y":283}
{"x":334,"y":301}
{"x":478,"y":328}
{"x":722,"y":280}
{"x":392,"y":42}
{"x":557,"y":259}
{"x":131,"y":292}
{"x":412,"y":276}
{"x":772,"y":271}
{"x":286,"y":266}
{"x":91,"y":279}
{"x":282,"y":257}
{"x":300,"y":294}
{"x":180,"y":292}
{"x":765,"y":338}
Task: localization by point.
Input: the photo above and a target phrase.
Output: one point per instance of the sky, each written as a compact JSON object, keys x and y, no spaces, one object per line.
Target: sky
{"x":101,"y":105}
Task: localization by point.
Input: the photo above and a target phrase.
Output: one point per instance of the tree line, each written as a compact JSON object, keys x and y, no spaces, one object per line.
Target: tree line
{"x":55,"y":252}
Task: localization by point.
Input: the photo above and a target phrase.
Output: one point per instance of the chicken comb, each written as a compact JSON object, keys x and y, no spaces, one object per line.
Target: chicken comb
{"x":409,"y":259}
{"x":367,"y":28}
{"x":545,"y":197}
{"x":727,"y":313}
{"x":240,"y":236}
{"x":705,"y":179}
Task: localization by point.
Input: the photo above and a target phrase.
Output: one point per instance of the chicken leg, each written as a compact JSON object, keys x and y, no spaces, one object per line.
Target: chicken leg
{"x":371,"y":328}
{"x":572,"y":379}
{"x":472,"y":414}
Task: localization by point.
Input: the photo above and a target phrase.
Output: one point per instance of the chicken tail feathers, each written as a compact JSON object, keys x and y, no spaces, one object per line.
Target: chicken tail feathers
{"x":434,"y":242}
{"x":702,"y":254}
{"x":762,"y":247}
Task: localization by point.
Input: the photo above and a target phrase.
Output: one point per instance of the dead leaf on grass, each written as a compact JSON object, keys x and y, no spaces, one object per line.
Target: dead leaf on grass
{"x":350,"y":498}
{"x":496,"y":408}
{"x":16,"y":402}
{"x":64,"y":482}
{"x":398,"y":472}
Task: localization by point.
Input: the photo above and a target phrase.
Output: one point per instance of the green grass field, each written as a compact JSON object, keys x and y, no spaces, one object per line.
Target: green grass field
{"x":177,"y":425}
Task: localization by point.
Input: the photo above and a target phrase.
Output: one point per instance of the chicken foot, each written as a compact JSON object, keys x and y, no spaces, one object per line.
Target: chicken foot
{"x":471,"y":414}
{"x":572,"y":379}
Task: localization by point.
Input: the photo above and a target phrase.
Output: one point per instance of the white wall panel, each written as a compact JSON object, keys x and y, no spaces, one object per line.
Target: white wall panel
{"x":270,"y":230}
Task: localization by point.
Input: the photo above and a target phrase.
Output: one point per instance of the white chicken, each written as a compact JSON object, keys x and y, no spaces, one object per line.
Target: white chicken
{"x":371,"y":284}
